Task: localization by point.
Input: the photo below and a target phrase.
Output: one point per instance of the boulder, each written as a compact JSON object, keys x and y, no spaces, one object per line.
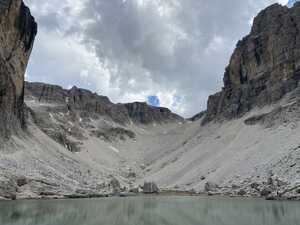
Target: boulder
{"x":210,"y":187}
{"x":150,"y":188}
{"x":134,"y":190}
{"x":115,"y":185}
{"x":255,"y":186}
{"x":21,"y":181}
{"x":265,"y":192}
{"x":242,"y":192}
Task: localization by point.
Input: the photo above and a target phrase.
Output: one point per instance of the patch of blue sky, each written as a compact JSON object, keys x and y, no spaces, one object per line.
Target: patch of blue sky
{"x":292,"y":2}
{"x":153,"y":100}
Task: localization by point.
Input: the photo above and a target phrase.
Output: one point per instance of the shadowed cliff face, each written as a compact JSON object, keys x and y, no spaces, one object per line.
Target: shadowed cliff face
{"x":17,"y":33}
{"x":264,"y":66}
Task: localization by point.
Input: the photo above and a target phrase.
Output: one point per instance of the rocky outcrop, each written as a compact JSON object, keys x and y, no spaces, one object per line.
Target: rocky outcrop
{"x":140,"y":112}
{"x":113,"y":134}
{"x":197,"y":116}
{"x":264,"y":66}
{"x":84,"y":100}
{"x":17,"y":32}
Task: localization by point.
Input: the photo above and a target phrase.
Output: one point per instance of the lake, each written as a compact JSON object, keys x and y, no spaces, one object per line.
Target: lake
{"x":150,"y":211}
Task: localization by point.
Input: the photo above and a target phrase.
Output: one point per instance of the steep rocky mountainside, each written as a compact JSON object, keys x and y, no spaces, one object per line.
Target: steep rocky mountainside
{"x":264,"y":66}
{"x":71,"y":116}
{"x":17,"y":33}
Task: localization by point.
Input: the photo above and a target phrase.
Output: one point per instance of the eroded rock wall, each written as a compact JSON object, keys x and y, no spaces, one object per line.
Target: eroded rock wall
{"x":264,"y":66}
{"x":17,"y":32}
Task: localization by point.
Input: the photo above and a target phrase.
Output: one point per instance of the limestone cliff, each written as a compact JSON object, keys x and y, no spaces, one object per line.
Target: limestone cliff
{"x":78,"y":99}
{"x":17,"y":32}
{"x":264,"y":66}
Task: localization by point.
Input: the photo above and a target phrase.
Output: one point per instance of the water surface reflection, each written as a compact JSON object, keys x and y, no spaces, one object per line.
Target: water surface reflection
{"x":150,"y":211}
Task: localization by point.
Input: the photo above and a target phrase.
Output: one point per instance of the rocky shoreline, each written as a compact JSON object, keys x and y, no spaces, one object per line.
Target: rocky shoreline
{"x":275,"y":190}
{"x":162,"y":194}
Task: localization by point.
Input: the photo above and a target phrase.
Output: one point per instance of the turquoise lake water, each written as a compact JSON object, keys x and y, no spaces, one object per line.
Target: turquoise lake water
{"x":150,"y":211}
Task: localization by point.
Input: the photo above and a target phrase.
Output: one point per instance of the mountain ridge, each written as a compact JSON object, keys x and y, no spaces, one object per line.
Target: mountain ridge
{"x":79,"y":98}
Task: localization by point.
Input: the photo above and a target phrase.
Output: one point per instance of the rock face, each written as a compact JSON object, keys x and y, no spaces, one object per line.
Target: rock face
{"x":140,"y":112}
{"x":264,"y":66}
{"x":17,"y":32}
{"x":84,"y":100}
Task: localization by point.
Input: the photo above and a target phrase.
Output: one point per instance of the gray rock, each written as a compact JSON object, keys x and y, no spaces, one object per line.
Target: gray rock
{"x":115,"y":185}
{"x":210,"y":187}
{"x":265,"y":192}
{"x":113,"y":134}
{"x":242,"y":192}
{"x":270,"y":181}
{"x":131,"y":175}
{"x":21,"y":181}
{"x":280,"y":183}
{"x":255,"y":186}
{"x":235,"y":187}
{"x":135,"y":190}
{"x":150,"y":188}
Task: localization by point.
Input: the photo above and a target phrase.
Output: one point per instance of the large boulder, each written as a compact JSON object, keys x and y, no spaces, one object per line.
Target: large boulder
{"x":17,"y":33}
{"x":150,"y":188}
{"x":210,"y":187}
{"x":115,"y":185}
{"x":265,"y":192}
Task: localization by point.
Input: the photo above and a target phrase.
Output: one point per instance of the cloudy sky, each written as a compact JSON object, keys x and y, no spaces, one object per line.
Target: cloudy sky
{"x":170,"y":53}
